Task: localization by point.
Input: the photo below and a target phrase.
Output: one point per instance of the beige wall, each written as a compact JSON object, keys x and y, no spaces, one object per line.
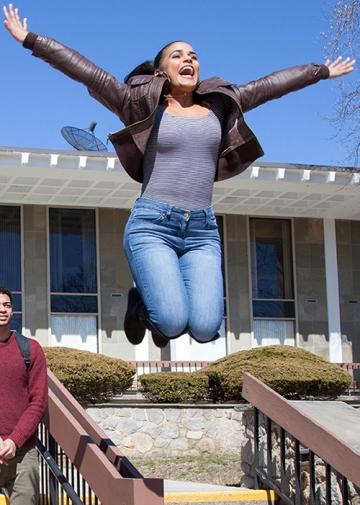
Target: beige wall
{"x":35,"y":298}
{"x":311,"y":285}
{"x":115,"y":279}
{"x":348,"y":251}
{"x":239,"y":322}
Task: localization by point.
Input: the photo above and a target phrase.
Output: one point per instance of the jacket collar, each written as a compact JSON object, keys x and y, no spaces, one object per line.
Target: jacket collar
{"x":203,"y":86}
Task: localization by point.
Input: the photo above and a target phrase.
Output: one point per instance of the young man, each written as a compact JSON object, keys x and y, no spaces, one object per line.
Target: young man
{"x":23,"y":402}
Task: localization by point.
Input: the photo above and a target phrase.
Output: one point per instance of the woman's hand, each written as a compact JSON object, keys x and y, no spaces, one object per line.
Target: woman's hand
{"x":13,"y":23}
{"x":338,"y":67}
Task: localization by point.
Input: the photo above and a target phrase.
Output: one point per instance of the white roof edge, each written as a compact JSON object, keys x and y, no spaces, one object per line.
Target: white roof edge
{"x":109,"y":154}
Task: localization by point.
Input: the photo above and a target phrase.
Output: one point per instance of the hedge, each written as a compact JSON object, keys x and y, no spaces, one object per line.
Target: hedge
{"x":291,"y":371}
{"x":175,"y":387}
{"x":88,"y":376}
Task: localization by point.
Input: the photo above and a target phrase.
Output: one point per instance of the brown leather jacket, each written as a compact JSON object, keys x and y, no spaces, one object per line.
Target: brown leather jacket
{"x":135,"y":103}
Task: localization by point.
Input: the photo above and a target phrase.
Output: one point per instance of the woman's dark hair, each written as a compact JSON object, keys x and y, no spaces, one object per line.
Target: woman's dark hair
{"x":149,"y":66}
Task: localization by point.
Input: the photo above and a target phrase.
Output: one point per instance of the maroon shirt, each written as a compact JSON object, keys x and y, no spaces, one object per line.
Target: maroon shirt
{"x":23,"y":394}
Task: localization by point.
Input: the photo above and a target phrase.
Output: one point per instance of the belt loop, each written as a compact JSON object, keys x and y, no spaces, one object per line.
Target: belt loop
{"x":208,"y":214}
{"x":168,"y":213}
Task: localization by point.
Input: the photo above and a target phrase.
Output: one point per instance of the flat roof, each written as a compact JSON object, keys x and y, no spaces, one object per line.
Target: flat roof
{"x":97,"y":179}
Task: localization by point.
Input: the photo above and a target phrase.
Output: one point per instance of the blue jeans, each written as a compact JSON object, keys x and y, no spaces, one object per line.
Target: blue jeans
{"x":175,"y":259}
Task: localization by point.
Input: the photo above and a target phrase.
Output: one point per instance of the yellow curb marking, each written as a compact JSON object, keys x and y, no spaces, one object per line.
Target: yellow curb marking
{"x":212,"y":496}
{"x":218,"y":496}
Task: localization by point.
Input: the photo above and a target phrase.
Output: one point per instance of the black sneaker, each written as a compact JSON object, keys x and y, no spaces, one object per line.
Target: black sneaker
{"x":159,"y":340}
{"x":133,"y":326}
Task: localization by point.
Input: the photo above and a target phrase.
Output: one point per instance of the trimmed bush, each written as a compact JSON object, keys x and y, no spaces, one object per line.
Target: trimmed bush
{"x":290,"y":371}
{"x":175,"y":387}
{"x":88,"y":376}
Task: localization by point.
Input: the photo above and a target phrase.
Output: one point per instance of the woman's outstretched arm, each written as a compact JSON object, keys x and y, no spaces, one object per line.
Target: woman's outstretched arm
{"x":101,"y":84}
{"x":291,"y":79}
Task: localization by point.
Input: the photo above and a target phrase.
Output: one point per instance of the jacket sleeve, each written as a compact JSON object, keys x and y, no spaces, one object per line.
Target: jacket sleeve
{"x":279,"y":84}
{"x":38,"y":397}
{"x":102,"y":85}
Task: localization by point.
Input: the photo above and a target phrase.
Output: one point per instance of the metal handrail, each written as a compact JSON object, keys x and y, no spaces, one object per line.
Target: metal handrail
{"x":337,"y":455}
{"x":94,"y":458}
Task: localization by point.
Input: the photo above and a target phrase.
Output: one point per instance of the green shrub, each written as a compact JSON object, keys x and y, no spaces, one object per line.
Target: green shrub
{"x":88,"y":376}
{"x":175,"y":387}
{"x":290,"y":371}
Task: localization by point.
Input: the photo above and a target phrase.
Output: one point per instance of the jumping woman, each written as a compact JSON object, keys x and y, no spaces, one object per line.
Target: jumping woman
{"x":182,"y":135}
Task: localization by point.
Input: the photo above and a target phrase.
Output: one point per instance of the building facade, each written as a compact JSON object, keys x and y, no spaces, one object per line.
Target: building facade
{"x":291,"y":240}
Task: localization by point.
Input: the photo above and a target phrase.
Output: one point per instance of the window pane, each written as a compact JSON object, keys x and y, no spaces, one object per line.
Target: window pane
{"x":17,"y":302}
{"x":74,"y":303}
{"x":273,"y":309}
{"x":72,"y":251}
{"x":16,"y":323}
{"x":77,"y":332}
{"x":10,"y":249}
{"x":271,"y":258}
{"x":274,"y":332}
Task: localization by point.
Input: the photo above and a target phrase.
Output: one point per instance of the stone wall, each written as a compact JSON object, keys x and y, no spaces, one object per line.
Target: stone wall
{"x":145,"y":430}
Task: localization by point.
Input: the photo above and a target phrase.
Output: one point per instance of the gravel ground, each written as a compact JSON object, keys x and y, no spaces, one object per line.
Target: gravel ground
{"x":213,"y":469}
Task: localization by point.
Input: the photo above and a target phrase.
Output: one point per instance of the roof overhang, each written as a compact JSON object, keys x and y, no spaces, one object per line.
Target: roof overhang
{"x":88,"y":179}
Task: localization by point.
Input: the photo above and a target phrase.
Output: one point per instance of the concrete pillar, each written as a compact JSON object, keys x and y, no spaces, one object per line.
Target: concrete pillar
{"x":332,"y":292}
{"x":35,"y":298}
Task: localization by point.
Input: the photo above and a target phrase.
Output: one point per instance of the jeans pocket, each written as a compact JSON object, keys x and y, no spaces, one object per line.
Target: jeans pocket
{"x":152,"y":215}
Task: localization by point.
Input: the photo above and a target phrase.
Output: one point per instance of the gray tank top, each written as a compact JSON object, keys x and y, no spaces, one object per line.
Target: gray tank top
{"x":181,"y":158}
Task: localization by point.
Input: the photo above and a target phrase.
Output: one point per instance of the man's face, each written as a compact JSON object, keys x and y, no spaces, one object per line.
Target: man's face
{"x":6,"y":310}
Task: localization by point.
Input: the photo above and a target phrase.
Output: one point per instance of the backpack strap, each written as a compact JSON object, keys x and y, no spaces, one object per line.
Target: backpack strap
{"x":24,"y":346}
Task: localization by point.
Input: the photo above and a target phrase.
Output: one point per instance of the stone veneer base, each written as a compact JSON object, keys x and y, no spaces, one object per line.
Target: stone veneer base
{"x":164,"y":430}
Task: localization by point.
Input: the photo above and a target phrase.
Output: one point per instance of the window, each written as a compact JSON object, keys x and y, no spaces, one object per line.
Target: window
{"x":10,"y":264}
{"x":272,"y":279}
{"x":73,"y":278}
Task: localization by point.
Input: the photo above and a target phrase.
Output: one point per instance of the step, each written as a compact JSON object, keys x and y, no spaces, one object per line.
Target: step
{"x":196,"y":492}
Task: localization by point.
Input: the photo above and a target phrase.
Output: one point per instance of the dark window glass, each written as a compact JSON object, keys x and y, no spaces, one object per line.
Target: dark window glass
{"x":74,"y":303}
{"x":17,"y":302}
{"x":72,"y":251}
{"x":16,"y":323}
{"x":271,"y":265}
{"x":10,"y":248}
{"x":273,"y":309}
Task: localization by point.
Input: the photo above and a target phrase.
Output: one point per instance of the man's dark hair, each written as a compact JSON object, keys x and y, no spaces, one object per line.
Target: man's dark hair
{"x":6,"y":291}
{"x":149,"y":66}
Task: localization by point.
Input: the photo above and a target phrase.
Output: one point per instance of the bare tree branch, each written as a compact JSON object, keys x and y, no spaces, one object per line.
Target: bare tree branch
{"x":343,"y":38}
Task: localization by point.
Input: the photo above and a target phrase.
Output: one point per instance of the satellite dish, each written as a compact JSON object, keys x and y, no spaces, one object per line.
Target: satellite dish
{"x":83,"y":139}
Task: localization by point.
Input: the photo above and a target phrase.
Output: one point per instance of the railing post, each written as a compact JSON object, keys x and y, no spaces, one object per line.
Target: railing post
{"x":298,"y":490}
{"x":269,"y":463}
{"x":53,"y":488}
{"x":256,"y":448}
{"x":283,"y":481}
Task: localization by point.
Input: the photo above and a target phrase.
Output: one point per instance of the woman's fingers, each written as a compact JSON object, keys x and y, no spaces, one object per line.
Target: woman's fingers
{"x":340,"y":67}
{"x":14,"y":24}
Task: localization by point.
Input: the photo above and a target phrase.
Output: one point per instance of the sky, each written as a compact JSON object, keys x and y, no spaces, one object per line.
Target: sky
{"x":239,"y":40}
